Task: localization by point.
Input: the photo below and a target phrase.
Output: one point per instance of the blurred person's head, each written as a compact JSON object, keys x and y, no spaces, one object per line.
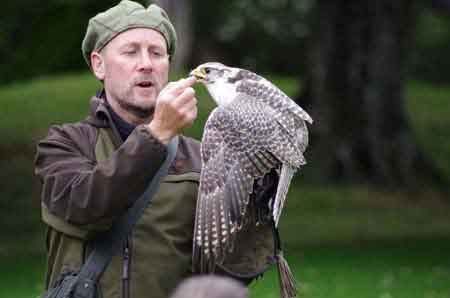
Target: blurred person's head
{"x":210,"y":286}
{"x":128,"y":48}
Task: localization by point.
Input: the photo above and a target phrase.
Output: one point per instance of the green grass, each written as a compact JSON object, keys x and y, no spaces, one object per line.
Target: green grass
{"x":429,"y":112}
{"x":340,"y":242}
{"x":356,"y":214}
{"x":381,"y":270}
{"x":22,"y":277}
{"x":33,"y":106}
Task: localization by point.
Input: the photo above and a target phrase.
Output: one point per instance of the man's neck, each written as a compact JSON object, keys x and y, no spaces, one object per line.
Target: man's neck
{"x":126,"y":115}
{"x":124,"y":121}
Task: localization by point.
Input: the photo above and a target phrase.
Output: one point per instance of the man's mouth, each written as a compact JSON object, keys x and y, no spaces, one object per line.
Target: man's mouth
{"x":145,"y":84}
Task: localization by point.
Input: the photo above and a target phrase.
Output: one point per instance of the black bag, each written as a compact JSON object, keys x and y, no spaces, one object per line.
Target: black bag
{"x":70,"y":285}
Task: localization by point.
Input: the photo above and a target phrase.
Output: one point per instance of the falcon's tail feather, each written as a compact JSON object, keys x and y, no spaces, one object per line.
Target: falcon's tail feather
{"x":287,"y":172}
{"x":288,"y":284}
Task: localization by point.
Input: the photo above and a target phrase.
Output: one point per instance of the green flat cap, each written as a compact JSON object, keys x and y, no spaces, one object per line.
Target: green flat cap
{"x":126,"y":15}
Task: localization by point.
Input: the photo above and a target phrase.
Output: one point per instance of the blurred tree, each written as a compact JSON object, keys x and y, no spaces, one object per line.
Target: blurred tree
{"x":264,"y":36}
{"x":357,"y":57}
{"x":39,"y":37}
{"x":180,"y":12}
{"x":43,"y":37}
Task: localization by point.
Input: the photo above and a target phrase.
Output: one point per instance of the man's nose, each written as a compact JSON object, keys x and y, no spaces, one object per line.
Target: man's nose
{"x":145,"y":62}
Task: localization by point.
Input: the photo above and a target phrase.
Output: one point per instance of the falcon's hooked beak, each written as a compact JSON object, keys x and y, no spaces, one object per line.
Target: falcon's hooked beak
{"x":199,"y":73}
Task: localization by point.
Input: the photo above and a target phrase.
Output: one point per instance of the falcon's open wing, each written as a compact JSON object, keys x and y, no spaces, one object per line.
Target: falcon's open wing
{"x":241,"y":143}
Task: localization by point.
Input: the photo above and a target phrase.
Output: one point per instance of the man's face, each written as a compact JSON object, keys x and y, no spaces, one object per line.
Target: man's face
{"x":136,"y":68}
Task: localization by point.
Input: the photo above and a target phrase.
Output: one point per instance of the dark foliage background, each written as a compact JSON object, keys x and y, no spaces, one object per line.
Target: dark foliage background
{"x":42,"y":37}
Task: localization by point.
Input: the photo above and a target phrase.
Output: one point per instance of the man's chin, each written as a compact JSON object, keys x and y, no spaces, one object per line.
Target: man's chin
{"x":145,"y":95}
{"x":145,"y":92}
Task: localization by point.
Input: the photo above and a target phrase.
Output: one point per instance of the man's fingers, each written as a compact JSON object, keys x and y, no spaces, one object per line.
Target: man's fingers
{"x":190,"y":105}
{"x":179,"y":86}
{"x":185,"y":97}
{"x":188,"y":82}
{"x":191,"y":115}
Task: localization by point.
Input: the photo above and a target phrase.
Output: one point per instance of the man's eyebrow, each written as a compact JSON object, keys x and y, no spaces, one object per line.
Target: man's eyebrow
{"x":136,"y":44}
{"x":128,"y":44}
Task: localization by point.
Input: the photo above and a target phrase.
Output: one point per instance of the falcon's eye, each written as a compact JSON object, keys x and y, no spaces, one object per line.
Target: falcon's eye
{"x":207,"y":70}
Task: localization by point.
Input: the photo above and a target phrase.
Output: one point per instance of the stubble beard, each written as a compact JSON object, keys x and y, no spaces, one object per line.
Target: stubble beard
{"x":127,"y":104}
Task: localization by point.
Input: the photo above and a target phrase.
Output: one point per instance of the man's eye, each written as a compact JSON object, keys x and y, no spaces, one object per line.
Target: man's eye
{"x":129,"y":52}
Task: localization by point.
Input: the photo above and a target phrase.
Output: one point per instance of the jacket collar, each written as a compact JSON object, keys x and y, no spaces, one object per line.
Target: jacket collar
{"x":100,"y":116}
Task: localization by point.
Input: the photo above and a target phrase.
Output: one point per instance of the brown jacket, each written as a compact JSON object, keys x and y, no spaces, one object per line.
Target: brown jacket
{"x":81,"y":195}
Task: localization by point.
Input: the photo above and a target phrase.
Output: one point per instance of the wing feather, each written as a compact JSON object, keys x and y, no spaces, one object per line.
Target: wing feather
{"x":287,"y":172}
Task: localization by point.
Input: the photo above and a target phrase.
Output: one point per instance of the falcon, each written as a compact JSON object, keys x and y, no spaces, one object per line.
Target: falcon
{"x":255,"y":130}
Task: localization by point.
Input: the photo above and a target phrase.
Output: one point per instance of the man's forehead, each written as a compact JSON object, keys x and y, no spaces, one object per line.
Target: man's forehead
{"x":141,"y":36}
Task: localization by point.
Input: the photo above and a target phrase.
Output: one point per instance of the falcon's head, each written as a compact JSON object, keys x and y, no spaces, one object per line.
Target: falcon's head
{"x":219,"y":79}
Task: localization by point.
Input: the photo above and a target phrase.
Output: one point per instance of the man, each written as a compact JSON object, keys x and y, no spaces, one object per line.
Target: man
{"x":93,"y":170}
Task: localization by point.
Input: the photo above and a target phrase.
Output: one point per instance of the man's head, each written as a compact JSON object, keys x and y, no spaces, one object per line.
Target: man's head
{"x":210,"y":286}
{"x":129,"y":47}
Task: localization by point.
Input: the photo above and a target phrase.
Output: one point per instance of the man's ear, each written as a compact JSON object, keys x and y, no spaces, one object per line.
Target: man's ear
{"x":98,"y":65}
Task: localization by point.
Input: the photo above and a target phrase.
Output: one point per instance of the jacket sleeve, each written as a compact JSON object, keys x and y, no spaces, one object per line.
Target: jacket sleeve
{"x":82,"y":191}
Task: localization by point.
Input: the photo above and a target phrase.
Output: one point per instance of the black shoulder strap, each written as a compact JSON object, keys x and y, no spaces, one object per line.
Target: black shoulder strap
{"x":107,"y":244}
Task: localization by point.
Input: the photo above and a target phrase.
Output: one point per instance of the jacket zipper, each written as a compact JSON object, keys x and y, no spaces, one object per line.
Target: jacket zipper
{"x":126,"y":270}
